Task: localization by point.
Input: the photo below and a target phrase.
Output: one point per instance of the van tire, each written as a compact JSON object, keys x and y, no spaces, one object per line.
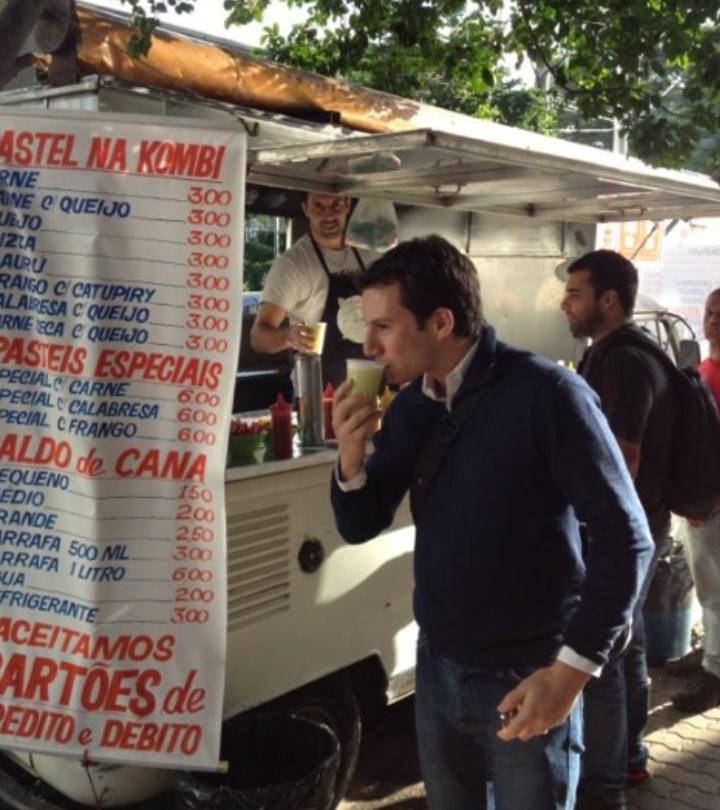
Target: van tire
{"x":332,"y":701}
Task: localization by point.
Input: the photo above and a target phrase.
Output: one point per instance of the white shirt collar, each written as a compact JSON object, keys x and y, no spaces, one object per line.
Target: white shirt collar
{"x":453,"y":381}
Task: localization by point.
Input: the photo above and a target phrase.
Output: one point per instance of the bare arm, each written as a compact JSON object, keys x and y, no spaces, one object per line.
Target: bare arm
{"x":269,"y":336}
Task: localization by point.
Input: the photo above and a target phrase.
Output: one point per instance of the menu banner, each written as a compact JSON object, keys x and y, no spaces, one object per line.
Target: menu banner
{"x":121,"y":245}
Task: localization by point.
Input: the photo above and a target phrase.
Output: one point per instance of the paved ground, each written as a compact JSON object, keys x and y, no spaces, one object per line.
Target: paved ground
{"x":684,"y":751}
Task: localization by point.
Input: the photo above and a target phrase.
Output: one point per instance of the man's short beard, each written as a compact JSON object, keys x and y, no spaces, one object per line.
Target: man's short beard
{"x":591,"y":325}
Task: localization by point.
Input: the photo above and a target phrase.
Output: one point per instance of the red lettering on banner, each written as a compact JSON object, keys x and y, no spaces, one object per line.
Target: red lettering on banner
{"x":57,"y":357}
{"x":137,"y":648}
{"x":108,"y":154}
{"x":97,"y":688}
{"x":32,"y":685}
{"x":177,"y":465}
{"x":168,"y":158}
{"x":184,"y":699}
{"x":156,"y":737}
{"x":45,"y":450}
{"x":24,"y":722}
{"x":53,"y":149}
{"x":156,"y":367}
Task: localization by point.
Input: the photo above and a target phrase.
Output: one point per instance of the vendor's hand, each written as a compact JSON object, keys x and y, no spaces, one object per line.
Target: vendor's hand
{"x":354,"y":421}
{"x":540,"y":702}
{"x":301,"y":338}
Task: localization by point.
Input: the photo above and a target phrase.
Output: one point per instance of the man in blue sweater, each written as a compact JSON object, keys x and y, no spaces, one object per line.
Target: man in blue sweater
{"x":514,"y":619}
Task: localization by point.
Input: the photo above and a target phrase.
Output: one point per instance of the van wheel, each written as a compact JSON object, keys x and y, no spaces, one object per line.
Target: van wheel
{"x":332,"y":701}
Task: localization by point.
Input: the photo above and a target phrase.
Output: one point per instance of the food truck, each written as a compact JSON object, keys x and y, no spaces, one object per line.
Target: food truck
{"x":314,"y":626}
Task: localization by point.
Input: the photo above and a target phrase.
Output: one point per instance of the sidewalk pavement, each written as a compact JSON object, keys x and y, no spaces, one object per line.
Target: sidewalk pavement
{"x":684,"y":754}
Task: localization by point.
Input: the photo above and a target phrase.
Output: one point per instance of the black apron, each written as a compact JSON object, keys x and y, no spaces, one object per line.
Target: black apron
{"x":337,"y":347}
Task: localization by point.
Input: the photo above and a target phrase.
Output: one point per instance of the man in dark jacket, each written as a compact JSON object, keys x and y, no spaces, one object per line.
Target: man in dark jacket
{"x":513,"y":621}
{"x":635,"y":396}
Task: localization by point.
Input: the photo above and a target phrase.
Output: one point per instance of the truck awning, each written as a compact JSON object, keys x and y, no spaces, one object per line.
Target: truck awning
{"x":497,"y":170}
{"x":385,"y":145}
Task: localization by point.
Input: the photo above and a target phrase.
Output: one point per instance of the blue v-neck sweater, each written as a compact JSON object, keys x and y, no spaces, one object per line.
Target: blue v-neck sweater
{"x":500,"y":577}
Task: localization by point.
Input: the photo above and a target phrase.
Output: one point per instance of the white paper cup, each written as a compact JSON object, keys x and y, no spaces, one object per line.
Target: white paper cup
{"x":366,"y":375}
{"x":318,"y":335}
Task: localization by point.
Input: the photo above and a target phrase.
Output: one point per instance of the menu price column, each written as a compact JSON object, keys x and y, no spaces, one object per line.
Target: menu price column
{"x":208,"y":306}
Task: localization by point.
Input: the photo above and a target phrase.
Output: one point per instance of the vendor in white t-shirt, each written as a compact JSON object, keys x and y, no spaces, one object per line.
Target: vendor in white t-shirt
{"x":314,"y":281}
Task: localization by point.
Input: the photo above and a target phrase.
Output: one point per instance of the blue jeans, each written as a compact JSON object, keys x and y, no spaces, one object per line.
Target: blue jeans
{"x":616,"y":709}
{"x":457,"y":722}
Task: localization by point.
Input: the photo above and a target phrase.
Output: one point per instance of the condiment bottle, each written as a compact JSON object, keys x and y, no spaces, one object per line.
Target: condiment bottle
{"x":386,"y":398}
{"x":327,"y":402}
{"x":383,"y":403}
{"x":281,"y":415}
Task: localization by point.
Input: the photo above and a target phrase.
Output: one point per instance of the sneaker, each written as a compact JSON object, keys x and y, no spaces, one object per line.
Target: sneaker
{"x":637,"y":777}
{"x":687,"y":665}
{"x":701,"y":694}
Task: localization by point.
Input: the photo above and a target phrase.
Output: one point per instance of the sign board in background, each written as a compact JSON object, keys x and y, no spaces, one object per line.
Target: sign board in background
{"x":120,"y":305}
{"x":678,"y":261}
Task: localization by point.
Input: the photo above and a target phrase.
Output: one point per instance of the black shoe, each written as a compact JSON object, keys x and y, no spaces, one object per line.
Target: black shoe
{"x":584,"y":802}
{"x":701,"y":694}
{"x":687,"y":665}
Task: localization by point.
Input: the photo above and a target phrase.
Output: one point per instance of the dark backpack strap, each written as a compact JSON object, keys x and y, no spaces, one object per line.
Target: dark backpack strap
{"x":629,"y":336}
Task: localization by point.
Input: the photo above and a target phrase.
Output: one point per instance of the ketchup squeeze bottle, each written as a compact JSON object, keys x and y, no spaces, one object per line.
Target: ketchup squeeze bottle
{"x":281,"y":414}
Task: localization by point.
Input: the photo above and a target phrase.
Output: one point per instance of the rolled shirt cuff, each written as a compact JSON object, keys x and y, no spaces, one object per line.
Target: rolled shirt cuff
{"x":572,"y":659}
{"x":356,"y":482}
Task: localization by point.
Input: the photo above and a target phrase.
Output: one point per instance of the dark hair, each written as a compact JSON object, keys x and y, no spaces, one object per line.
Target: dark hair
{"x":610,"y":270}
{"x":431,"y":274}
